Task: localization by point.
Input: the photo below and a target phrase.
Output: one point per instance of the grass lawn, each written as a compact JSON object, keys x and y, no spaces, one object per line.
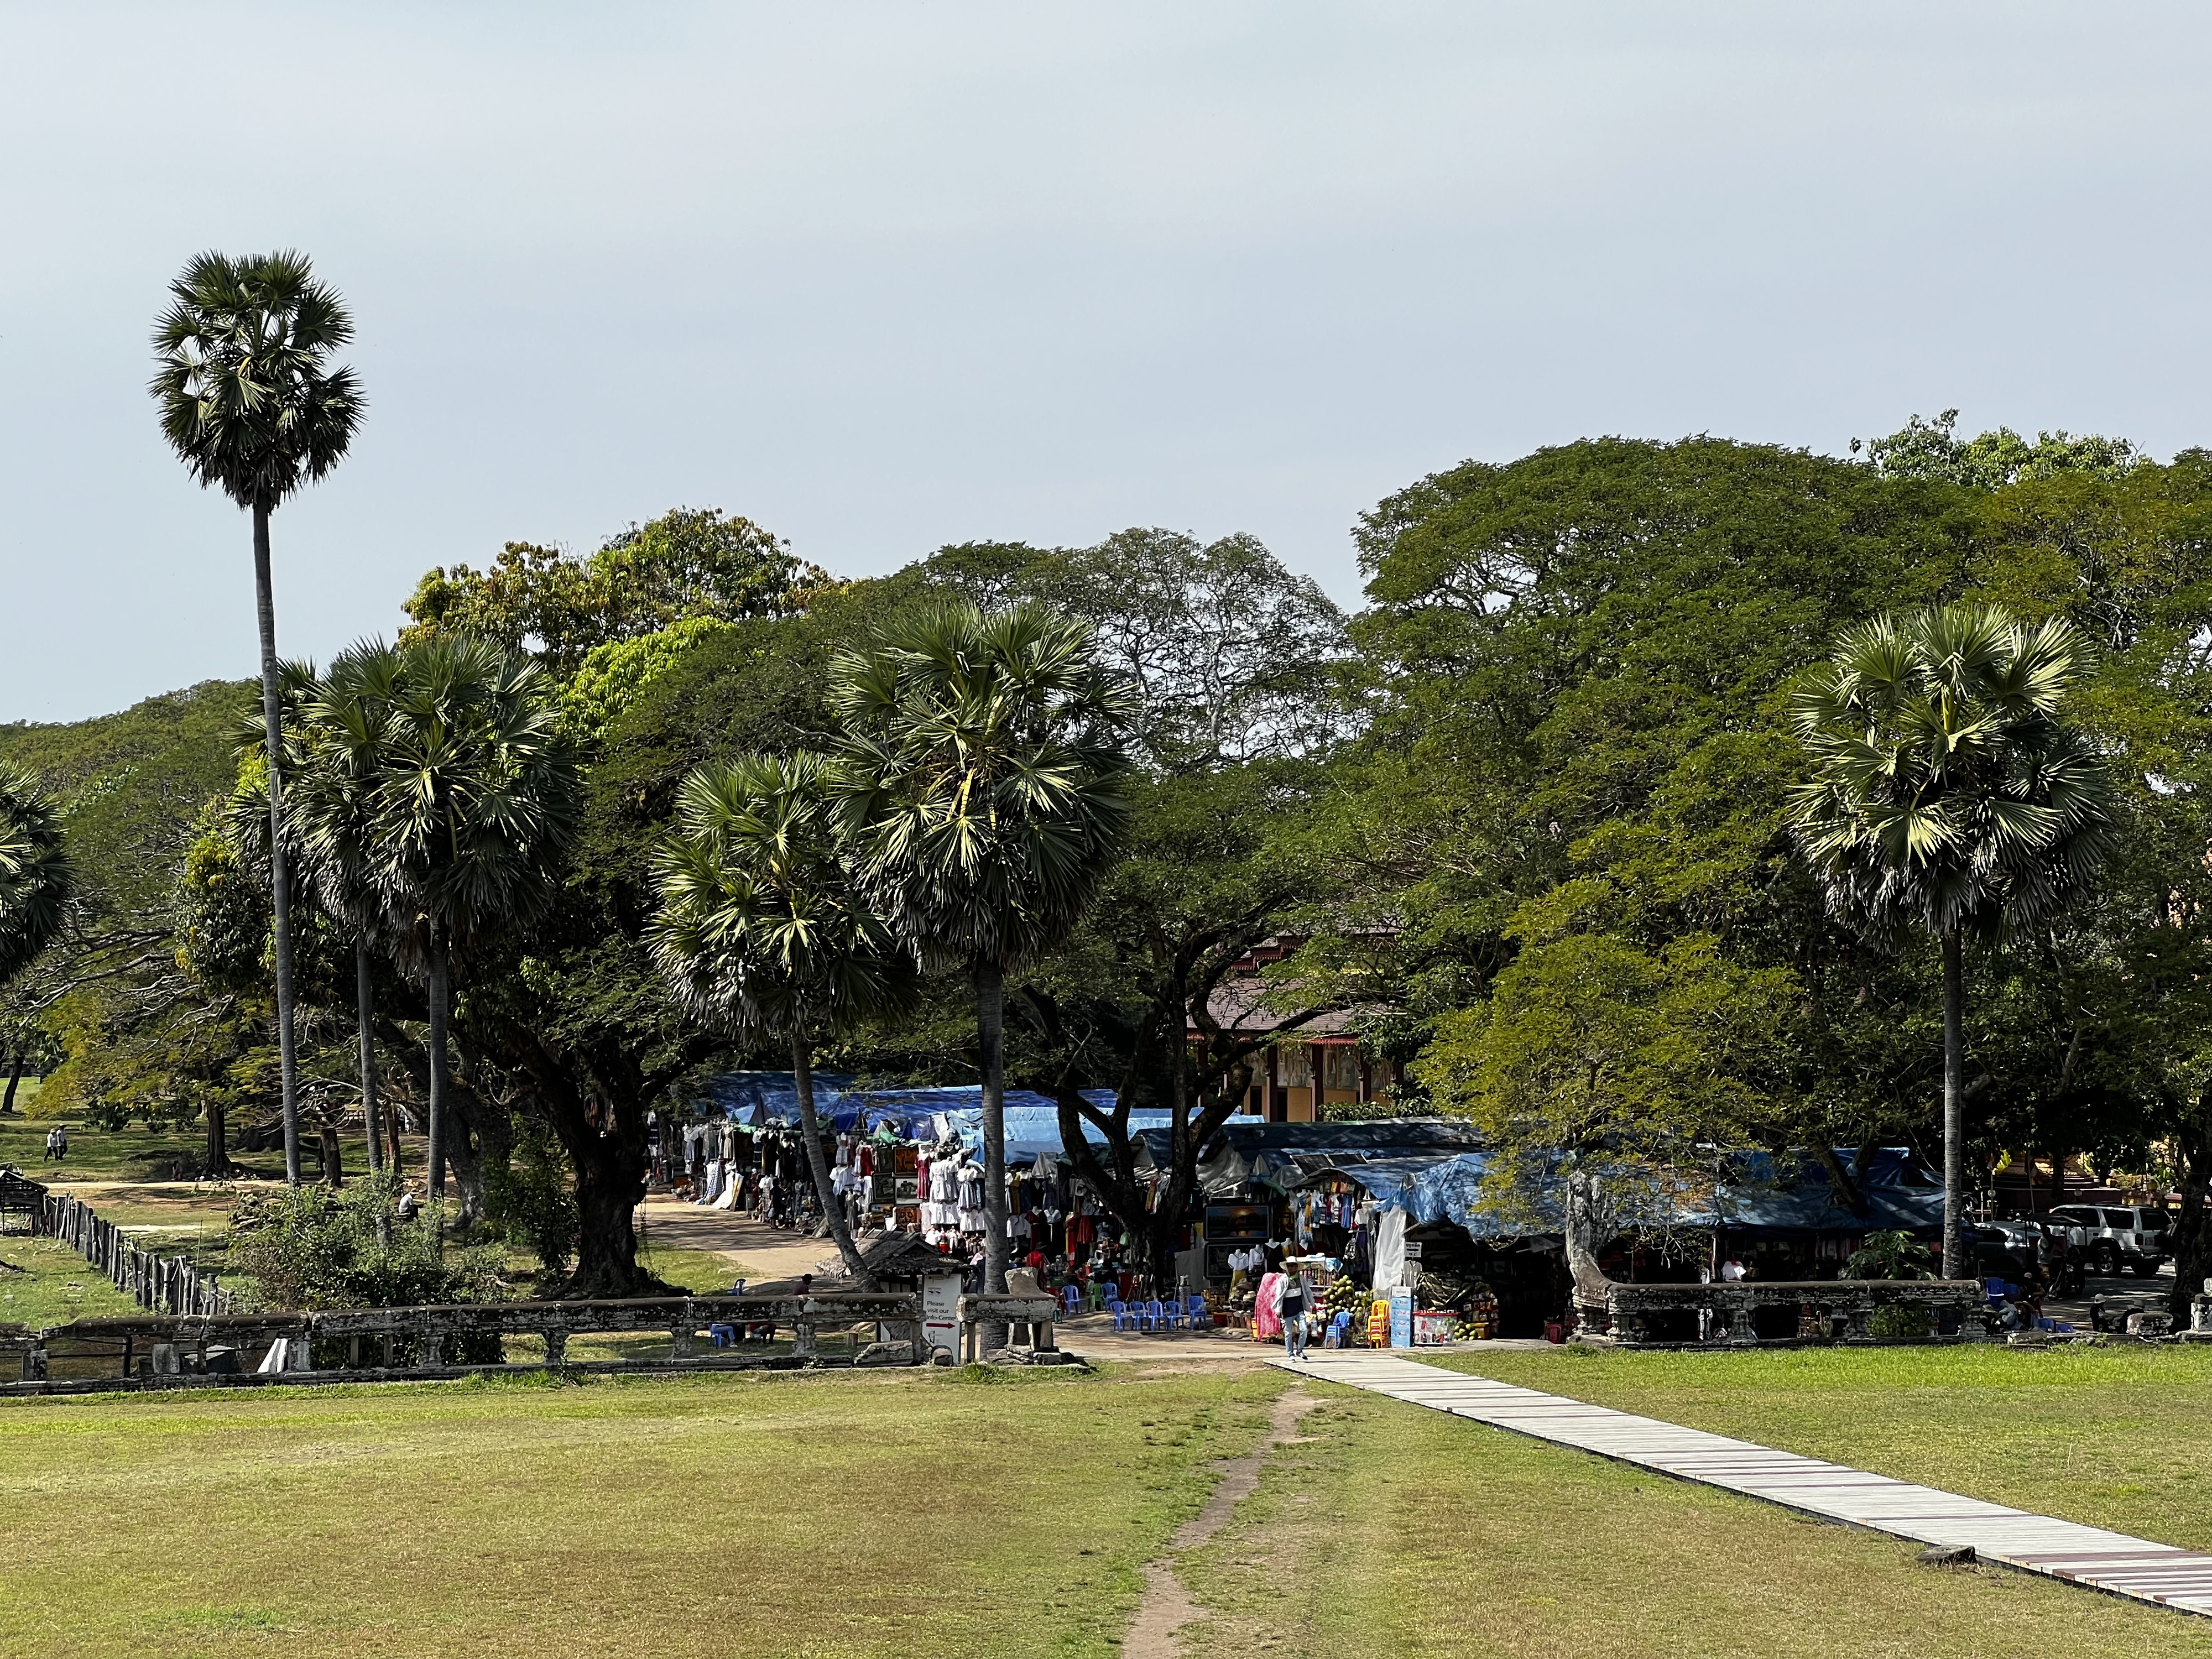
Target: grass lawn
{"x":2118,"y":1436}
{"x":55,"y":1285}
{"x":1392,"y":1530}
{"x":836,"y":1514}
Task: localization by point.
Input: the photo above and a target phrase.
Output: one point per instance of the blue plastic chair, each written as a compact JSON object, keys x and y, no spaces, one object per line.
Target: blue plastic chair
{"x":1125,"y":1316}
{"x":1173,"y":1315}
{"x":1070,"y":1297}
{"x":1154,"y":1314}
{"x":1196,"y":1312}
{"x":1994,"y":1289}
{"x":1338,"y":1328}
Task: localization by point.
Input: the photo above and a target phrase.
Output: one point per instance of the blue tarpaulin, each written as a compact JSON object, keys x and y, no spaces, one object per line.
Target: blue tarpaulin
{"x":766,"y":1099}
{"x":1898,"y":1192}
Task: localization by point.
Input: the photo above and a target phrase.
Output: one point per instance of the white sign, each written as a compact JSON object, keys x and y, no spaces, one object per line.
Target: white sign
{"x":1413,"y":1251}
{"x":941,"y":1312}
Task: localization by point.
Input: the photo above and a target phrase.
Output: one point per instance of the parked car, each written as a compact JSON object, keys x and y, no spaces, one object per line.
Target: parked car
{"x":2115,"y":1236}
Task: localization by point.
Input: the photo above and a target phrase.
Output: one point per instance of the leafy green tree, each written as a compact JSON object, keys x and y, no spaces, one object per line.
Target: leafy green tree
{"x":1928,"y":449}
{"x":1600,"y":1073}
{"x":250,"y":401}
{"x":470,"y":815}
{"x":1232,"y":657}
{"x":687,"y":565}
{"x":984,"y":788}
{"x":1950,"y":794}
{"x":763,"y":932}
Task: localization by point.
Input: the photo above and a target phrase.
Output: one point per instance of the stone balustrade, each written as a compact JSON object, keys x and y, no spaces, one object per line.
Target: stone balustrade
{"x":1826,"y":1310}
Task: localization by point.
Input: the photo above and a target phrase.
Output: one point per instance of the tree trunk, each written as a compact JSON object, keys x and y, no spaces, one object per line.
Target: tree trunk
{"x":364,"y":994}
{"x":1954,"y":1110}
{"x":435,"y":1162}
{"x":280,"y":900}
{"x":333,"y":1160}
{"x":802,"y":1073}
{"x":991,"y":1044}
{"x":2192,"y":1228}
{"x":14,"y":1077}
{"x":479,"y":1138}
{"x":218,"y":1153}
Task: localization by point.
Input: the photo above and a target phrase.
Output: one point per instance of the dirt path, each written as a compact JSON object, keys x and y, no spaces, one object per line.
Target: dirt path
{"x":766,"y":1252}
{"x":1167,"y":1606}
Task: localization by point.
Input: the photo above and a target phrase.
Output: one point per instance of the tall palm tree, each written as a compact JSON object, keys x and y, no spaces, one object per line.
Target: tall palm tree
{"x":763,"y":932}
{"x":981,"y":782}
{"x":35,"y":878}
{"x":341,"y":737}
{"x":1949,"y":793}
{"x":473,"y":808}
{"x":251,"y":402}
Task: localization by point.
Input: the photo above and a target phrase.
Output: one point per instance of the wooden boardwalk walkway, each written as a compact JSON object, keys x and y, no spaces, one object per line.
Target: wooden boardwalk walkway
{"x":2091,"y":1556}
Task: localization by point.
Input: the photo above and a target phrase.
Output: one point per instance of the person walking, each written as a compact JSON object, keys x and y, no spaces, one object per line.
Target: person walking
{"x":1292,"y":1311}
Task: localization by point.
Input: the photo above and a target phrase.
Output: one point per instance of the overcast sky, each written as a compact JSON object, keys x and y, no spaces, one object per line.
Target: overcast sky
{"x":883,"y":278}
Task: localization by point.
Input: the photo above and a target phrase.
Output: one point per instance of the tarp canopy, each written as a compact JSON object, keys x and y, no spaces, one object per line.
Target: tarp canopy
{"x":1898,"y":1191}
{"x":1248,"y":1151}
{"x":770,"y":1099}
{"x":1033,"y":1126}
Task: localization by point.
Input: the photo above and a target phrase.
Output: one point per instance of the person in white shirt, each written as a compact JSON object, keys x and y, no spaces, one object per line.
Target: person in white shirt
{"x":1731,"y":1270}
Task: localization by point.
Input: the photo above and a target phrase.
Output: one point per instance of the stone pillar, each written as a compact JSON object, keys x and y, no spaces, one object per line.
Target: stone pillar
{"x":2200,"y":1311}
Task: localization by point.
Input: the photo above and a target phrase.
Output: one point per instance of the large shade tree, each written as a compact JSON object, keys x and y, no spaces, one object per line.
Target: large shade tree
{"x":1949,"y":793}
{"x":470,"y":815}
{"x":253,"y":403}
{"x":763,"y":932}
{"x":983,"y":784}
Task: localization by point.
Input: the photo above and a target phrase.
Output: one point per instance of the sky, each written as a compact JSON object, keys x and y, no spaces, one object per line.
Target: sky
{"x":883,"y":278}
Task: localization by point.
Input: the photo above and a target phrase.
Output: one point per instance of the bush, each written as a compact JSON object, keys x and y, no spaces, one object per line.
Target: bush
{"x":531,"y":1200}
{"x":1891,"y":1255}
{"x":311,"y":1248}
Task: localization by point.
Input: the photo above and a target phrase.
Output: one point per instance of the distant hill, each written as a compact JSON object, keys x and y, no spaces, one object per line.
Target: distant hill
{"x":130,"y":784}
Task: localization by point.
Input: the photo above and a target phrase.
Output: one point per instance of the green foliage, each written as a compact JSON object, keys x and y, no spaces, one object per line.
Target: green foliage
{"x":761,"y":932}
{"x":612,"y":676}
{"x":984,"y":770}
{"x":35,"y":878}
{"x":1948,"y":791}
{"x":1593,"y":1054}
{"x":688,"y":564}
{"x":1928,"y":449}
{"x":248,"y":398}
{"x":129,"y":788}
{"x":531,"y":1199}
{"x":311,"y":1248}
{"x":1892,"y":1255}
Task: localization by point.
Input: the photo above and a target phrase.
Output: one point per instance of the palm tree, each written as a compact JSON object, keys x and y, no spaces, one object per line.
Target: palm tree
{"x":1950,"y":794}
{"x":340,"y":744}
{"x":35,"y":878}
{"x":474,"y":805}
{"x":982,"y":780}
{"x":763,"y":932}
{"x":250,"y":402}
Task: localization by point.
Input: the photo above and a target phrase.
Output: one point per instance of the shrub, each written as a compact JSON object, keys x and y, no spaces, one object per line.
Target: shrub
{"x":311,"y":1248}
{"x":531,"y":1200}
{"x":1891,"y":1255}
